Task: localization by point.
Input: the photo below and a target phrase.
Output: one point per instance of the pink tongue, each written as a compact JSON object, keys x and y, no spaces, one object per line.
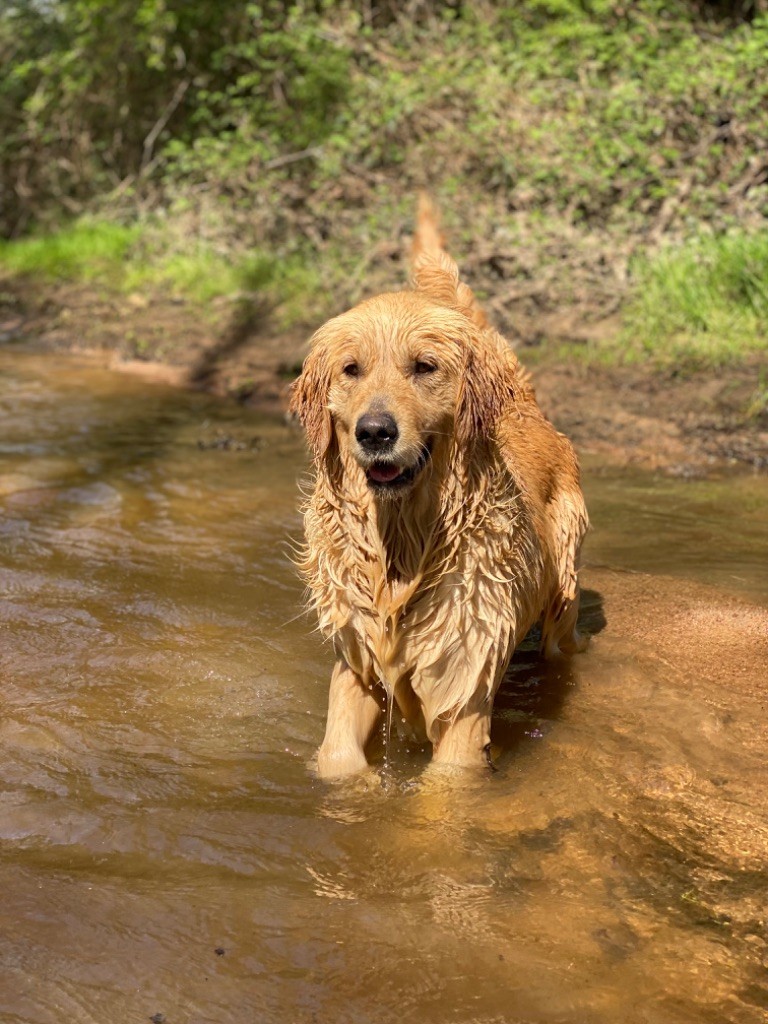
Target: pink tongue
{"x":383,"y":474}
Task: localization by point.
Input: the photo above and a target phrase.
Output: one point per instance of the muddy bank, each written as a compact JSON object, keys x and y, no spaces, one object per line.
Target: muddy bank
{"x":684,"y":425}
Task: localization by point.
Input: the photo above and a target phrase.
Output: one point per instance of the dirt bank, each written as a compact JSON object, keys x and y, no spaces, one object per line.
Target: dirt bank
{"x":680,"y":424}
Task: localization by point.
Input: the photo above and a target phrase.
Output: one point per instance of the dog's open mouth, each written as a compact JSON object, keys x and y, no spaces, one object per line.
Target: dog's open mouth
{"x":390,"y":476}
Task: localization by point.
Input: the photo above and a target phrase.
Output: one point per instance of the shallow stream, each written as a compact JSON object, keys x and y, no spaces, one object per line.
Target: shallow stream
{"x":166,"y":852}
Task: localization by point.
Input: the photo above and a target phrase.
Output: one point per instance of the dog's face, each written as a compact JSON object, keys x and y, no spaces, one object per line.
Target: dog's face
{"x":394,"y":387}
{"x":394,"y":383}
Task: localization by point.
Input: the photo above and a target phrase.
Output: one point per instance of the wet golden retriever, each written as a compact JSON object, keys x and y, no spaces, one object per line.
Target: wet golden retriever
{"x":446,"y":516}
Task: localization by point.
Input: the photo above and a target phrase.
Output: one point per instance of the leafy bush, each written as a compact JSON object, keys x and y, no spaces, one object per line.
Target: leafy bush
{"x":559,"y":135}
{"x":95,"y":90}
{"x":591,"y":105}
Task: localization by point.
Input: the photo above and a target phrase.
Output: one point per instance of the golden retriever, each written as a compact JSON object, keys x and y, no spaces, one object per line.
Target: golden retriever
{"x":446,"y":516}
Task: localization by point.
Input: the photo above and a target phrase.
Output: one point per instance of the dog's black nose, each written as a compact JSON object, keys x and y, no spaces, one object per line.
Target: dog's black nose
{"x":376,"y":431}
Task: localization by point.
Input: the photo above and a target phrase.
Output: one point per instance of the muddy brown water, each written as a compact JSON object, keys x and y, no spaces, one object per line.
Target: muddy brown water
{"x":166,"y":852}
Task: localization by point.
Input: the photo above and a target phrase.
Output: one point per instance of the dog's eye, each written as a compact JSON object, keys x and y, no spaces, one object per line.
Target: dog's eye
{"x":351,"y":370}
{"x":423,"y":366}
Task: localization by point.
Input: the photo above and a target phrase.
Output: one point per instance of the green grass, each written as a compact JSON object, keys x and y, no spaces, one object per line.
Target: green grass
{"x":87,"y":250}
{"x":133,"y":258}
{"x":148,"y":258}
{"x":703,"y":303}
{"x":201,"y":275}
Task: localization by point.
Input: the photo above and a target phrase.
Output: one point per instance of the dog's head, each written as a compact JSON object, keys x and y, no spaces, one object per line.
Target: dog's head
{"x":395,"y":384}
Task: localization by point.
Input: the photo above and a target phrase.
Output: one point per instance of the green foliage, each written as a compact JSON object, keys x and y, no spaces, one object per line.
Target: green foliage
{"x":289,"y":137}
{"x":96,"y":91}
{"x":87,"y":251}
{"x":586,"y":104}
{"x":703,"y":303}
{"x":147,"y":258}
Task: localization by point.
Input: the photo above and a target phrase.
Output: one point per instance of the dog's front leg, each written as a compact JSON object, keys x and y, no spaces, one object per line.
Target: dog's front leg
{"x":353,"y":712}
{"x":466,"y":741}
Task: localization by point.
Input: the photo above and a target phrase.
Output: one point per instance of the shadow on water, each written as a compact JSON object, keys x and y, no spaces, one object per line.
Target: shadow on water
{"x":534,"y":689}
{"x":530,"y":700}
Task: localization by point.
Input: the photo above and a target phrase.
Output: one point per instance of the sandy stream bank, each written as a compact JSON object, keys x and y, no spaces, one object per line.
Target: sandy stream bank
{"x":682,"y":424}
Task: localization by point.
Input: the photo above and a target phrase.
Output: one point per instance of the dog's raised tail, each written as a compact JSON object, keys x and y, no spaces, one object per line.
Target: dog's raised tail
{"x":434,"y":271}
{"x":428,"y":239}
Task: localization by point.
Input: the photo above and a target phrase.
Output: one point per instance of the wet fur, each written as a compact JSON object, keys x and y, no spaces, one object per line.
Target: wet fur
{"x":428,"y":593}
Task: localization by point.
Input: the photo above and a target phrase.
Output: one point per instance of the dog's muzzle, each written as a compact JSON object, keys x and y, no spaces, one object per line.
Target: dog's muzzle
{"x":388,"y":476}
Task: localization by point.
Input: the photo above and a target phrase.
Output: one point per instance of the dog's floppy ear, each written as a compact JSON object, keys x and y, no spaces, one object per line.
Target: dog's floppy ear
{"x":309,"y":402}
{"x":488,"y":390}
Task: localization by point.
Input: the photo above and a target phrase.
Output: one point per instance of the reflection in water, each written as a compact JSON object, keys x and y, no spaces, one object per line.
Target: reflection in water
{"x":164,"y":848}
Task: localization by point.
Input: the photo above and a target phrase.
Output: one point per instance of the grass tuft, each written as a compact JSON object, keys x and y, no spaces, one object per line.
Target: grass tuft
{"x":702,"y":303}
{"x":147,"y":258}
{"x":86,"y":250}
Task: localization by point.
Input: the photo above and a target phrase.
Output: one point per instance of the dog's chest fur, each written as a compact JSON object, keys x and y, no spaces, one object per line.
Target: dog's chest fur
{"x":439,"y":595}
